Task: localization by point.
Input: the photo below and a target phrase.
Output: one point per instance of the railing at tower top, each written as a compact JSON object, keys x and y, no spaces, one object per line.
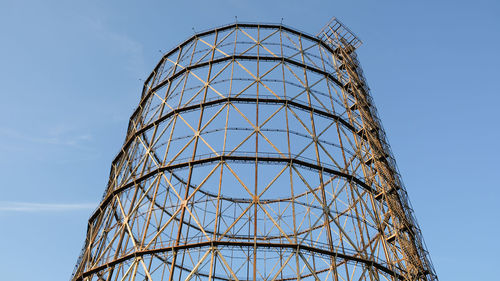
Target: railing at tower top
{"x":334,"y":31}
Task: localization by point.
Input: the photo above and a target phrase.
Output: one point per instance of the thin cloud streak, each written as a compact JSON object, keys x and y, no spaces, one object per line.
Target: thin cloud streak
{"x":70,"y":141}
{"x":43,"y":207}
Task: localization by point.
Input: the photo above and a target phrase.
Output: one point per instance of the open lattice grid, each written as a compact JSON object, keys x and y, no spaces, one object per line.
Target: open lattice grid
{"x":255,"y":154}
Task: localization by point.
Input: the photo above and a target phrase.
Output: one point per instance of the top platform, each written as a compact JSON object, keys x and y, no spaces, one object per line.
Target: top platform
{"x":336,"y":33}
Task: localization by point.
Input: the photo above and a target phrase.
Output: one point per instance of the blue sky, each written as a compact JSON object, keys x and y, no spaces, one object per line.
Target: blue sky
{"x":70,"y":77}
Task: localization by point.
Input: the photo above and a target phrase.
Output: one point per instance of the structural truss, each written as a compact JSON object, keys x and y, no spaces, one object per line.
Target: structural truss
{"x":255,"y":154}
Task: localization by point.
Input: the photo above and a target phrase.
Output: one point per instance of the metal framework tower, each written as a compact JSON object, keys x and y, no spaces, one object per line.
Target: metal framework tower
{"x":255,"y":154}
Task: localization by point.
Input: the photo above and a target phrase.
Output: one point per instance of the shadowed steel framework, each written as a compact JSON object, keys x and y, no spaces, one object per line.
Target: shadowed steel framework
{"x":255,"y":154}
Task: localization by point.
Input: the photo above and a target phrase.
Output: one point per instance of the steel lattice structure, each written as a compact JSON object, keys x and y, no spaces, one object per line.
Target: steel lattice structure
{"x":255,"y":154}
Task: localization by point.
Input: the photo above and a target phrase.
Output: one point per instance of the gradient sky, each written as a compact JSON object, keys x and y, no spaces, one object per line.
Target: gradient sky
{"x":70,"y":77}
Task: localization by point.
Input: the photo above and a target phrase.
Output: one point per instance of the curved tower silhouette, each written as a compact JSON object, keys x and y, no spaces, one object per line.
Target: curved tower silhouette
{"x":255,"y":154}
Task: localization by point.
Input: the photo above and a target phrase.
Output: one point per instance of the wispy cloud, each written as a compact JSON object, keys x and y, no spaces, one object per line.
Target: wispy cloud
{"x":6,"y":206}
{"x":76,"y":141}
{"x":122,"y":43}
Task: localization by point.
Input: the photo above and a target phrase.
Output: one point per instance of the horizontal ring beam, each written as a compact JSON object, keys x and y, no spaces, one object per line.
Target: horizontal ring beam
{"x":229,"y":58}
{"x":297,"y":247}
{"x":234,"y":26}
{"x":201,"y":161}
{"x":236,"y":100}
